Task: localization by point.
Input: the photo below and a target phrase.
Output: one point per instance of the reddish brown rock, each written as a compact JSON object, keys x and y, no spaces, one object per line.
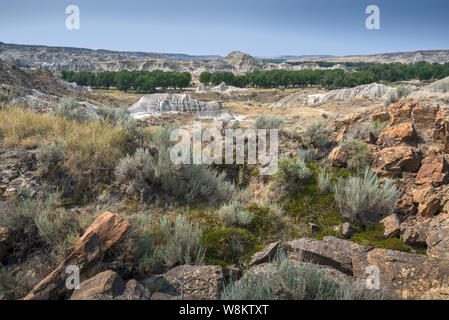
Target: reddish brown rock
{"x":134,"y":291}
{"x":428,"y":207}
{"x":89,"y":250}
{"x":424,"y":115}
{"x":380,"y":116}
{"x":395,"y":160}
{"x":391,"y":226}
{"x":398,"y":134}
{"x":347,"y":122}
{"x":400,"y":111}
{"x":434,"y":171}
{"x":338,"y":157}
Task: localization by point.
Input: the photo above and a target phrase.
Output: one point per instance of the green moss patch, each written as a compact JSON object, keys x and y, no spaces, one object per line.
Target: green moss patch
{"x":374,"y":236}
{"x":229,"y":246}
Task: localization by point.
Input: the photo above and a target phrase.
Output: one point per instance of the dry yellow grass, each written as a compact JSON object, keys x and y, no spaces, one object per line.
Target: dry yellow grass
{"x":92,"y":148}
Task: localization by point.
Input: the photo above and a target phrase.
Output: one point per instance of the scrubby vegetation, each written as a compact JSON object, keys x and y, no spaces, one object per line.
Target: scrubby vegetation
{"x":286,"y":279}
{"x":291,"y":175}
{"x":269,"y":122}
{"x":366,"y":200}
{"x":317,"y":135}
{"x":234,"y":214}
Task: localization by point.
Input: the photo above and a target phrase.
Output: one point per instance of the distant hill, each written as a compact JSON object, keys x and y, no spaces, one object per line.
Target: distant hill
{"x":117,"y":55}
{"x":439,"y":56}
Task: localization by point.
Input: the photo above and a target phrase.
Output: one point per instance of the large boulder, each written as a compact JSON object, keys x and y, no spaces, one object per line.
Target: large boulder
{"x":89,"y":250}
{"x":414,"y":232}
{"x":408,"y":276}
{"x":104,"y":286}
{"x":398,"y":134}
{"x":196,"y":282}
{"x":434,"y":171}
{"x":108,"y":285}
{"x":392,"y":227}
{"x":393,"y":161}
{"x":338,"y":157}
{"x":438,"y":237}
{"x":266,"y":254}
{"x":332,"y":252}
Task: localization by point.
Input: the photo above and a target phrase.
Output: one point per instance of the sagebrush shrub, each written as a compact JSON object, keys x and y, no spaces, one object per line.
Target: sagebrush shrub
{"x":70,"y":109}
{"x":37,"y":223}
{"x":367,"y":199}
{"x":235,"y":215}
{"x":392,"y":97}
{"x":291,"y":280}
{"x":317,"y":135}
{"x":292,"y":175}
{"x":51,"y":155}
{"x":136,"y":173}
{"x":324,"y":180}
{"x":359,"y":154}
{"x":182,"y":242}
{"x":377,"y":127}
{"x":142,"y":174}
{"x":403,"y":90}
{"x":269,"y":122}
{"x":306,"y":155}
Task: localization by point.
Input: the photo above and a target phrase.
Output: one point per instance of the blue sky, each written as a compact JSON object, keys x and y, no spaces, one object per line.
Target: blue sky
{"x":262,"y":27}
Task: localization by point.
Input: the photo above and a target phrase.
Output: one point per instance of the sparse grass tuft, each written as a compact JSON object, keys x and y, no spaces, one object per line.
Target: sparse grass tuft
{"x":269,"y":122}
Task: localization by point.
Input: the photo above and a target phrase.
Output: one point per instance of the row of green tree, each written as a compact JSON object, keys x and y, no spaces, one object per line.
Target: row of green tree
{"x":332,"y":79}
{"x":141,"y":81}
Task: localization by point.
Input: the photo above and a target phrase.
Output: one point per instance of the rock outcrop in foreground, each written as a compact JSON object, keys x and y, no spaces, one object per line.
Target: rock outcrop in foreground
{"x":401,"y":275}
{"x":158,"y":103}
{"x":89,"y":250}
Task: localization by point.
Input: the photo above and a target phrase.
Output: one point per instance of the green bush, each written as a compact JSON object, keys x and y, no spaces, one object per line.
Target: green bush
{"x":38,"y":223}
{"x":136,"y":173}
{"x":70,"y":109}
{"x":269,"y":122}
{"x":143,"y":173}
{"x":306,"y":155}
{"x":50,"y":156}
{"x":162,"y":243}
{"x":365,"y":200}
{"x":182,"y":242}
{"x":235,"y":215}
{"x":147,"y":256}
{"x":324,"y":180}
{"x":391,"y":98}
{"x":359,"y":154}
{"x":403,"y":90}
{"x":236,"y":125}
{"x":291,"y":175}
{"x":317,"y":135}
{"x":377,"y":127}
